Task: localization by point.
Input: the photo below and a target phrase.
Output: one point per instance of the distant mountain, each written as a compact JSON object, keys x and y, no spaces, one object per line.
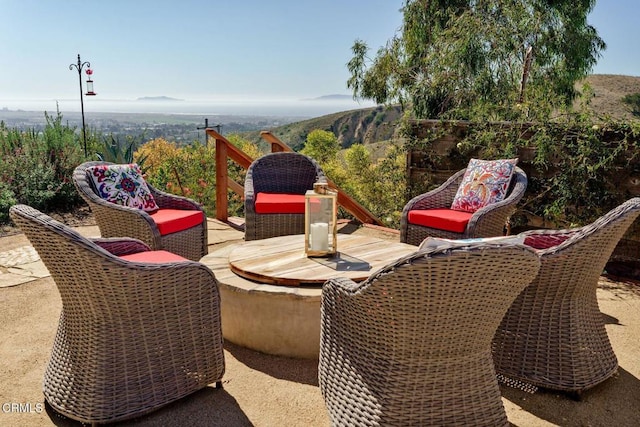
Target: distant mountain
{"x":335,"y":97}
{"x":158,"y":98}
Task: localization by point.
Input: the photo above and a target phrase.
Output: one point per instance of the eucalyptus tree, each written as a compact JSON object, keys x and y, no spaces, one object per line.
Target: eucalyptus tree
{"x":469,"y":58}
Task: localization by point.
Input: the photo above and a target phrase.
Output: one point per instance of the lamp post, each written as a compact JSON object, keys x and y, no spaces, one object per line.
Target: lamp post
{"x":90,"y":92}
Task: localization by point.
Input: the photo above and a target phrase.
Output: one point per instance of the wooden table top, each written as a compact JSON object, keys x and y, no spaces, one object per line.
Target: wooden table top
{"x":282,"y":261}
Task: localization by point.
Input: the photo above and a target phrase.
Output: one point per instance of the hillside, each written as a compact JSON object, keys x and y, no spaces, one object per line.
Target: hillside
{"x":363,"y":126}
{"x":609,"y":89}
{"x":371,"y":125}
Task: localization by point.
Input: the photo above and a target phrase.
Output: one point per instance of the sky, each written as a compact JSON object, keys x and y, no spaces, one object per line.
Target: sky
{"x":236,"y":49}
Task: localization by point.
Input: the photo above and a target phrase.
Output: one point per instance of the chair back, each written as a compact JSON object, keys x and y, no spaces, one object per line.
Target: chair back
{"x":284,"y":172}
{"x":65,"y":252}
{"x":516,"y":190}
{"x":517,"y":187}
{"x":446,"y":301}
{"x":412,"y":344}
{"x":592,"y":244}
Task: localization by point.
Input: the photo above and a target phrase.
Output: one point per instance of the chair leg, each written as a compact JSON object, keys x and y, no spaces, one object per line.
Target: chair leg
{"x":218,"y":384}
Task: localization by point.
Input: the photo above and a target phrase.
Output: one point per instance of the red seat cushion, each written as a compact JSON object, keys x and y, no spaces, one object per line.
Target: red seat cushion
{"x":442,"y":219}
{"x":273,"y":203}
{"x":154,"y":257}
{"x":174,"y":220}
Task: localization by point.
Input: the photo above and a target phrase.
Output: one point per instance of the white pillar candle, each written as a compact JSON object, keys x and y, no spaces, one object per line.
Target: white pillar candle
{"x":319,"y":236}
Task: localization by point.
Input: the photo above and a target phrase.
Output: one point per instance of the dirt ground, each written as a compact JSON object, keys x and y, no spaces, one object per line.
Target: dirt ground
{"x":264,"y":390}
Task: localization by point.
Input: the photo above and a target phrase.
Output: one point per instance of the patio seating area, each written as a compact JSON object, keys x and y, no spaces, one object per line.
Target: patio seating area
{"x":381,"y":332}
{"x":267,"y":390}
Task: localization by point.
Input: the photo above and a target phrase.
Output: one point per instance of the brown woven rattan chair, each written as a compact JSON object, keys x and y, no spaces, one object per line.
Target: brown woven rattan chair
{"x":278,"y":173}
{"x":411,"y":345}
{"x":554,"y":336}
{"x":485,"y":222}
{"x":121,"y":221}
{"x":132,"y":336}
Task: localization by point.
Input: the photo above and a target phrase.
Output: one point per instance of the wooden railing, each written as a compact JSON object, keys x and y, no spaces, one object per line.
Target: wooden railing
{"x":226,"y":150}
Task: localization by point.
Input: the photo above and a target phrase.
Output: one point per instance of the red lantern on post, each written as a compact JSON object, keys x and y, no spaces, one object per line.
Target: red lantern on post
{"x":90,"y":91}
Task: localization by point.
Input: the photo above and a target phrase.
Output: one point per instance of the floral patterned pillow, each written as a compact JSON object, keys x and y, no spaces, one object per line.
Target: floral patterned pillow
{"x":484,"y":182}
{"x":123,"y":185}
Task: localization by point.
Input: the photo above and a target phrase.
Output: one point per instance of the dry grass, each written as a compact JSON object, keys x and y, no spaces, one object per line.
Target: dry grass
{"x":609,"y":89}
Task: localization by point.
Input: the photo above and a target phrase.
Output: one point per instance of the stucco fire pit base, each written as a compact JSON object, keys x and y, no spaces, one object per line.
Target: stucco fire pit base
{"x":278,"y":320}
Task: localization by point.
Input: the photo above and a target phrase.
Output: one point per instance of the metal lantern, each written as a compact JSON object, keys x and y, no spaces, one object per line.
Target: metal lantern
{"x":320,"y":225}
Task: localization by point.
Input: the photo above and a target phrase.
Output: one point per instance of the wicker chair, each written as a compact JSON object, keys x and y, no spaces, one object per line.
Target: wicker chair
{"x":486,"y":222}
{"x":277,"y":173}
{"x":411,"y":345}
{"x":122,"y":221}
{"x":553,"y":336}
{"x":132,"y":336}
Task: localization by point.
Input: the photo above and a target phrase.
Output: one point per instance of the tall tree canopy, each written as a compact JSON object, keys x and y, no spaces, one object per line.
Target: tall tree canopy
{"x":456,"y":58}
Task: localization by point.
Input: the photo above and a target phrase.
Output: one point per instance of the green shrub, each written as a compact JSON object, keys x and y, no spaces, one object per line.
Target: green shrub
{"x":633,"y":101}
{"x":378,"y":185}
{"x":7,"y":200}
{"x":115,"y":150}
{"x":190,"y":170}
{"x":37,"y":167}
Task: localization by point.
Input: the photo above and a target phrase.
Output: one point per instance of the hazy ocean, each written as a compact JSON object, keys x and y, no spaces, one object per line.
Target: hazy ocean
{"x":206,"y":107}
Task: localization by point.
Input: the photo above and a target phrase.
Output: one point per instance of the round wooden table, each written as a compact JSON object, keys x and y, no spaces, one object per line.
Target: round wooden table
{"x":282,"y":261}
{"x":262,"y":315}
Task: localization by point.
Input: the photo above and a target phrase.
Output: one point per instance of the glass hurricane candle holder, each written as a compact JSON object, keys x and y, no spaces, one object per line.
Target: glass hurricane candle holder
{"x":320,"y":214}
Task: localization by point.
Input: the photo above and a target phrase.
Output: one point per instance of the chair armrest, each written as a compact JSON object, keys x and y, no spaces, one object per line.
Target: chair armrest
{"x":490,"y":220}
{"x":249,"y":194}
{"x":440,"y":197}
{"x":172,"y":201}
{"x":116,"y":220}
{"x":341,"y":285}
{"x":119,"y":246}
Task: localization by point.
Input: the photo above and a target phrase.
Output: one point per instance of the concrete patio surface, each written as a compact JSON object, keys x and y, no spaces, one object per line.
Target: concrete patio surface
{"x":264,"y":390}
